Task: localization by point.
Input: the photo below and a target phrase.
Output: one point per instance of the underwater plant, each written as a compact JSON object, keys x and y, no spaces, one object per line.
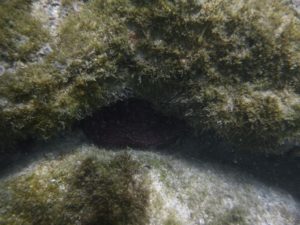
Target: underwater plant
{"x":226,"y":66}
{"x":88,"y":191}
{"x":21,"y":34}
{"x":232,"y":217}
{"x":88,"y":186}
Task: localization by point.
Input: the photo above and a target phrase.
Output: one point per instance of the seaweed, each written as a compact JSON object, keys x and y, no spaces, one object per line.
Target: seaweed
{"x":21,"y":35}
{"x":227,"y":66}
{"x":234,"y":216}
{"x":108,"y":191}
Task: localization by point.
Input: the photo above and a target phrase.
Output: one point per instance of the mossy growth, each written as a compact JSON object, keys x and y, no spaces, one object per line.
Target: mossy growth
{"x":222,"y":65}
{"x":41,"y":101}
{"x":172,"y":221}
{"x":20,"y":33}
{"x":200,"y":60}
{"x":249,"y":117}
{"x":235,"y":216}
{"x":110,"y":191}
{"x":21,"y":37}
{"x":67,"y":2}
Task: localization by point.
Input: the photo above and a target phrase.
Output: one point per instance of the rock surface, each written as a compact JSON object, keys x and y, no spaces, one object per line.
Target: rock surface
{"x":176,"y":191}
{"x":227,"y":66}
{"x":296,"y":4}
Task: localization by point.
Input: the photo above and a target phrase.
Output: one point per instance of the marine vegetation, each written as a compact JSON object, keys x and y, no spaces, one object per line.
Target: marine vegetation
{"x":83,"y":191}
{"x":232,"y":217}
{"x":21,"y":35}
{"x":227,"y":66}
{"x":90,"y":186}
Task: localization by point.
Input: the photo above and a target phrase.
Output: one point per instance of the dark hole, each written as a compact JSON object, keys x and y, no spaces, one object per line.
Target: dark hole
{"x":133,"y":123}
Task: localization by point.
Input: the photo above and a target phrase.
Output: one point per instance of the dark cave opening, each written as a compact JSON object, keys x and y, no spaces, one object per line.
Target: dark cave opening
{"x":133,"y":123}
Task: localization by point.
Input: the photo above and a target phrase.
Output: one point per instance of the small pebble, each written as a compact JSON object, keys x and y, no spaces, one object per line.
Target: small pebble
{"x":2,"y":70}
{"x":3,"y":102}
{"x":201,"y":221}
{"x":45,"y":50}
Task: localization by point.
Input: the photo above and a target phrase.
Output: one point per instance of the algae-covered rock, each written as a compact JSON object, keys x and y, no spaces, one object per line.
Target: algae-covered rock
{"x":21,"y":34}
{"x":77,"y":190}
{"x":91,"y":186}
{"x":223,"y":65}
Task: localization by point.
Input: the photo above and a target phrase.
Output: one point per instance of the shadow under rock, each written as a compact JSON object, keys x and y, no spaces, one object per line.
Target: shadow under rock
{"x":279,"y":171}
{"x":136,"y":124}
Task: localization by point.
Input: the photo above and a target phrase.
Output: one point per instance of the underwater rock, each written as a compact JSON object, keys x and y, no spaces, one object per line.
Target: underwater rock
{"x":52,"y":12}
{"x":86,"y":191}
{"x":89,"y":186}
{"x":21,"y":34}
{"x":296,"y":4}
{"x":222,"y":65}
{"x":3,"y":102}
{"x":2,"y":70}
{"x":45,"y":50}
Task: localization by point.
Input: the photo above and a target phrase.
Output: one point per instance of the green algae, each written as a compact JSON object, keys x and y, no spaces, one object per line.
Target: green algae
{"x":86,"y":185}
{"x":227,"y":66}
{"x":20,"y":34}
{"x":235,"y":216}
{"x":171,"y":221}
{"x":67,"y":2}
{"x":86,"y":190}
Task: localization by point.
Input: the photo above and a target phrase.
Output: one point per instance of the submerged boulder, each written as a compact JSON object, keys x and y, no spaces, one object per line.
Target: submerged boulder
{"x":222,"y":65}
{"x":91,"y":186}
{"x":77,"y":190}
